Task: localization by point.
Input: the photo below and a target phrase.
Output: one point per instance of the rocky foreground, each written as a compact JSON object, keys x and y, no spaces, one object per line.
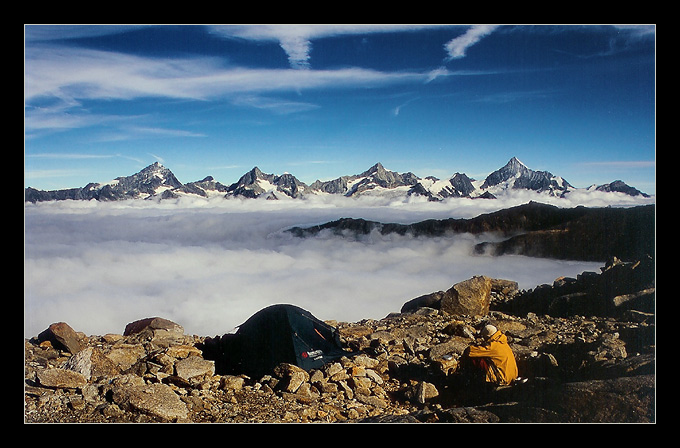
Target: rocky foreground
{"x":586,"y":345}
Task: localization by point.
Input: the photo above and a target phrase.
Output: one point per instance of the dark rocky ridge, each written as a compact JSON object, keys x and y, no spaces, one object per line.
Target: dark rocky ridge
{"x":532,"y":229}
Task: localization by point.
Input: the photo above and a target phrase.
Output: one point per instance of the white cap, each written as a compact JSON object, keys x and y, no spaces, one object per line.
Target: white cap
{"x":488,"y":331}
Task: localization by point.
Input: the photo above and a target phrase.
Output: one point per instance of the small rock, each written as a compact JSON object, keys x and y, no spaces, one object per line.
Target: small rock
{"x":365,"y":361}
{"x":232,"y":382}
{"x":292,"y":376}
{"x":422,"y":392}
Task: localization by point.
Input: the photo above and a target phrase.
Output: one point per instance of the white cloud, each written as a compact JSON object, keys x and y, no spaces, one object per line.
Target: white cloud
{"x":36,"y":33}
{"x":296,"y":40}
{"x":297,"y":48}
{"x":62,"y":79}
{"x":71,"y":75}
{"x":457,"y":47}
{"x":210,"y":264}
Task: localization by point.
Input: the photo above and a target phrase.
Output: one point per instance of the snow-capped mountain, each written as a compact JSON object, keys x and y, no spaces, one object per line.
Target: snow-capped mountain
{"x":158,"y":182}
{"x":516,"y":175}
{"x":457,"y":186}
{"x":153,"y":180}
{"x":621,"y":187}
{"x":255,"y":184}
{"x":374,"y":180}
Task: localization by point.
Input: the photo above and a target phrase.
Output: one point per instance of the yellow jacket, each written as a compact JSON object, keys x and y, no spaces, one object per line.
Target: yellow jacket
{"x":500,"y":354}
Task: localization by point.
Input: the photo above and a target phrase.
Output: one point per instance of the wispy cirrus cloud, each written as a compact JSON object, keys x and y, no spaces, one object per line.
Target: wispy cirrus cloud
{"x":296,"y":40}
{"x":457,"y":47}
{"x":76,"y":74}
{"x":276,"y":105}
{"x":59,"y":81}
{"x":44,"y":33}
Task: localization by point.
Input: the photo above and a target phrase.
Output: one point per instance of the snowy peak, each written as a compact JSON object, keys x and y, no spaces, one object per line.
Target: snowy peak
{"x":207,"y":187}
{"x":621,"y":187}
{"x":150,"y":180}
{"x":374,"y":180}
{"x":255,"y":184}
{"x":377,"y":169}
{"x":457,"y":186}
{"x":516,"y":175}
{"x":153,"y":180}
{"x":512,"y":170}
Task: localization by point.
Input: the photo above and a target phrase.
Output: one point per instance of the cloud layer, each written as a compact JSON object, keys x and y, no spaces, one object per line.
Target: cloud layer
{"x":209,"y":265}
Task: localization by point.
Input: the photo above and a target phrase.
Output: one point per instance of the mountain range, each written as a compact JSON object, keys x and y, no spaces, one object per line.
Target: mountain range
{"x":158,"y":182}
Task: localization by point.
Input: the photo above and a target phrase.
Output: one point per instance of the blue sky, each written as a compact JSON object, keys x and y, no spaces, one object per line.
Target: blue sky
{"x":321,"y":101}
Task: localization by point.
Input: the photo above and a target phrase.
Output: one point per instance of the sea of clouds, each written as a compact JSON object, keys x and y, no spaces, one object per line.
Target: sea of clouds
{"x":210,"y":264}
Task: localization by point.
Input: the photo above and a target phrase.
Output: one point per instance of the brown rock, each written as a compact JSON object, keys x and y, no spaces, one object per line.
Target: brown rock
{"x":193,"y":367}
{"x":232,"y":382}
{"x":422,"y":392}
{"x":470,"y":297}
{"x":157,"y":400}
{"x":125,"y":355}
{"x":506,"y":287}
{"x":91,"y":363}
{"x":292,"y":376}
{"x":62,"y":337}
{"x":154,"y":327}
{"x":61,"y":378}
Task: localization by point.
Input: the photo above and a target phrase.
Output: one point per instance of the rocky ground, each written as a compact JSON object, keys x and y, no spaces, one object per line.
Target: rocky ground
{"x":598,"y":366}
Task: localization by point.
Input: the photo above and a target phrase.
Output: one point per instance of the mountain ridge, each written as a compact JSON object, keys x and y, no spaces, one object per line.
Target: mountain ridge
{"x":532,"y":229}
{"x":158,"y":182}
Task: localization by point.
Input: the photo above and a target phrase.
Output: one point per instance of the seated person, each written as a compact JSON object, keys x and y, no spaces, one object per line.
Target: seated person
{"x":492,"y":362}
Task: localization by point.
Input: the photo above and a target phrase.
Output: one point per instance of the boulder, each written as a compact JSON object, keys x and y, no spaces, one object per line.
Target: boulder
{"x":462,"y":295}
{"x":155,"y":329}
{"x":157,"y":400}
{"x":92,"y":363}
{"x":194,"y":367}
{"x":428,"y":300}
{"x":470,"y":297}
{"x":126,"y":355}
{"x":62,"y":337}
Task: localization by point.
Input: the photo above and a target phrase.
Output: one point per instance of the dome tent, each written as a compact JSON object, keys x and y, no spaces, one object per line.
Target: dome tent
{"x":276,"y":334}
